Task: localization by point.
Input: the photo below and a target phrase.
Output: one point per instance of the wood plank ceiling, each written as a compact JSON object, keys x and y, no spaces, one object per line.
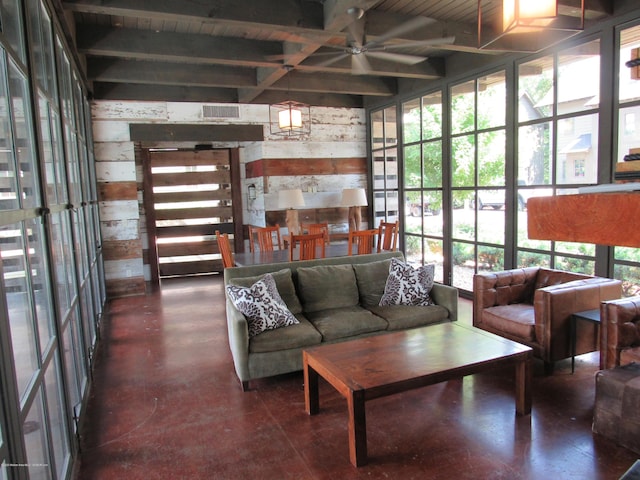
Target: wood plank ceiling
{"x":235,"y":50}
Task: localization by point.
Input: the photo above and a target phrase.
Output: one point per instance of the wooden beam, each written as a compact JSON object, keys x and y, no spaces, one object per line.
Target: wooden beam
{"x":166,"y":93}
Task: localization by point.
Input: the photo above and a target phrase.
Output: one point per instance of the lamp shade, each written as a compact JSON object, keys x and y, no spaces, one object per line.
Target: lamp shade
{"x":523,"y":14}
{"x":290,"y":119}
{"x":290,"y":198}
{"x":354,"y":197}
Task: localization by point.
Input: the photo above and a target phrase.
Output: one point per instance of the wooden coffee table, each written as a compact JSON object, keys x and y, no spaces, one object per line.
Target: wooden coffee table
{"x":382,"y":365}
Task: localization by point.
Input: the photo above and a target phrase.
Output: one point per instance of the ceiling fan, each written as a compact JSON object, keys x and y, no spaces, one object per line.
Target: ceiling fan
{"x":358,"y":48}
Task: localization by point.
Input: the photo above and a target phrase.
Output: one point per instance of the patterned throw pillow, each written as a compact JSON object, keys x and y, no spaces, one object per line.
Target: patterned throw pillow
{"x":407,"y":285}
{"x":262,"y":305}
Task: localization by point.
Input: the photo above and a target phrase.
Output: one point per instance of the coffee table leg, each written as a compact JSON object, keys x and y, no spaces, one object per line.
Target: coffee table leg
{"x":357,"y":428}
{"x":311,"y":393}
{"x":523,"y":386}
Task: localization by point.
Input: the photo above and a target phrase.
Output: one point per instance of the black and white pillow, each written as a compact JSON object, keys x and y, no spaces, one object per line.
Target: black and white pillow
{"x":262,"y":305}
{"x":407,"y":285}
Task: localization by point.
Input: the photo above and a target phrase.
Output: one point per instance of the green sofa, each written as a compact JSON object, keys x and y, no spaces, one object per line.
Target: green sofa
{"x":334,"y":299}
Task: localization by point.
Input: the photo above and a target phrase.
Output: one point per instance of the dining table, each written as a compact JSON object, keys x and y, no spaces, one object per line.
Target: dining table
{"x":282,"y":256}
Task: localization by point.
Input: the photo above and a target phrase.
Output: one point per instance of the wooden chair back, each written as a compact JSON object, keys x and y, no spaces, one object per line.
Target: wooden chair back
{"x":269,"y":238}
{"x":313,"y":228}
{"x":310,"y":246}
{"x":388,"y":236}
{"x":362,"y":240}
{"x":225,"y":249}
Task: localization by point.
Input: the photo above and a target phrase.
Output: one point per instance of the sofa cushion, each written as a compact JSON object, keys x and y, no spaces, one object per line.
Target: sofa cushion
{"x":284,"y":284}
{"x":262,"y":305}
{"x":371,"y":278}
{"x":303,"y":334}
{"x":400,"y":317}
{"x":336,"y":323}
{"x":324,"y":287}
{"x":407,"y":285}
{"x":517,"y":319}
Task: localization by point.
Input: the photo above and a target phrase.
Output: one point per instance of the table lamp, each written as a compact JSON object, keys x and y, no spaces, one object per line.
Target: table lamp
{"x":354,"y":198}
{"x":291,"y":199}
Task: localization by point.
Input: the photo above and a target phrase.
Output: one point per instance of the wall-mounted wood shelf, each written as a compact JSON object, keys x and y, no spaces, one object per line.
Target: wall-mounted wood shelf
{"x":601,"y":218}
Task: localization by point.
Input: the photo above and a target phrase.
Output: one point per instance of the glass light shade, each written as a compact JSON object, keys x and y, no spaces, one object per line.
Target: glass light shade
{"x":519,"y":16}
{"x":290,"y":198}
{"x":354,"y":197}
{"x":290,"y":119}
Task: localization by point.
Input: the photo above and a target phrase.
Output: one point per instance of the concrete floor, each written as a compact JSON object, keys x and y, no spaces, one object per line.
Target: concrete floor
{"x":166,"y":404}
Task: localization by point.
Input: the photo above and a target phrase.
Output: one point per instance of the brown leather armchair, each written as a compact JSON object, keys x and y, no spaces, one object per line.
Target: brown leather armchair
{"x":620,"y":327}
{"x":533,"y":306}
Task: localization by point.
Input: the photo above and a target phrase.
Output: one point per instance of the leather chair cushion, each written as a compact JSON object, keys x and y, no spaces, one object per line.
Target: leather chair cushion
{"x":516,"y":319}
{"x":629,"y":355}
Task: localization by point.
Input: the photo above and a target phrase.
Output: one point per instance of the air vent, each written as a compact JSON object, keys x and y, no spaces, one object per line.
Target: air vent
{"x":220,"y":111}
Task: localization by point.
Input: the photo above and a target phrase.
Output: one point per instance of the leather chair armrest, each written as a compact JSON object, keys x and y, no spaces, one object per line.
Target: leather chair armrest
{"x":620,"y":329}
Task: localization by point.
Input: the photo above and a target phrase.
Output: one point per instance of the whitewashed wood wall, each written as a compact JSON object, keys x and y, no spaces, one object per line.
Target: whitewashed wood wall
{"x":335,"y":133}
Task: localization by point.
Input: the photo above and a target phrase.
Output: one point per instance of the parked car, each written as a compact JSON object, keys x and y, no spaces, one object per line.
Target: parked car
{"x":489,"y":198}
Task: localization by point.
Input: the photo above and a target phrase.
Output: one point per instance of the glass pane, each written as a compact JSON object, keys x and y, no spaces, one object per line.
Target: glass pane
{"x":432,"y":116}
{"x":463,"y":265}
{"x":391,"y":167}
{"x":491,"y":147}
{"x":531,"y":259}
{"x":47,"y":151}
{"x":490,"y":259}
{"x":390,"y":129}
{"x":411,"y":121}
{"x":432,"y":160}
{"x":433,"y":254}
{"x":630,"y":277}
{"x":22,"y":118}
{"x":534,"y":154}
{"x":378,"y":170}
{"x":577,"y":157}
{"x":629,"y":86}
{"x":57,"y":419}
{"x":9,"y":197}
{"x":492,"y":98}
{"x":463,"y":107}
{"x":535,"y":89}
{"x":71,"y":369}
{"x":377,"y":134}
{"x":578,"y":265}
{"x":35,"y":440}
{"x":413,"y":249}
{"x":57,"y":146}
{"x":432,"y":213}
{"x":576,"y":248}
{"x":464,"y":223}
{"x":629,"y":131}
{"x":12,"y":26}
{"x":23,"y":336}
{"x":491,"y":221}
{"x":579,"y":78}
{"x":463,"y":161}
{"x":412,"y":164}
{"x":40,"y":282}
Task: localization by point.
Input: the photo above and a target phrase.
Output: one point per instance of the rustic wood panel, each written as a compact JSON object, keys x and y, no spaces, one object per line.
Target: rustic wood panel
{"x":190,"y":268}
{"x":191,"y":178}
{"x":184,"y":213}
{"x":601,"y":218}
{"x":218,"y":157}
{"x":155,"y":132}
{"x":117,"y":191}
{"x":315,"y":215}
{"x":122,"y":287}
{"x":306,"y":166}
{"x":121,"y":249}
{"x":187,"y":248}
{"x":188,"y":230}
{"x":193,"y":196}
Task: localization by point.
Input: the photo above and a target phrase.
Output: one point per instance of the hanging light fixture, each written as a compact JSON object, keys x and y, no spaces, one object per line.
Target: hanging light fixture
{"x":289,"y":118}
{"x":526,"y":25}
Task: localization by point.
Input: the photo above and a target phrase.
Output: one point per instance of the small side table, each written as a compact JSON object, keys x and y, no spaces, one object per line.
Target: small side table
{"x":587,"y":316}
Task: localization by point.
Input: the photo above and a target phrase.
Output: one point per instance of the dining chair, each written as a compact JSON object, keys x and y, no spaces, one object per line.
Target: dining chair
{"x":310,"y":246}
{"x":252,"y":238}
{"x":363,"y":240}
{"x":388,"y":236}
{"x":313,"y":228}
{"x":269,"y":238}
{"x":225,"y":249}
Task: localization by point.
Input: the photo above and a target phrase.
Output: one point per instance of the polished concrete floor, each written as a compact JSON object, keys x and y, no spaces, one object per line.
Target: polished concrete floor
{"x":166,"y":404}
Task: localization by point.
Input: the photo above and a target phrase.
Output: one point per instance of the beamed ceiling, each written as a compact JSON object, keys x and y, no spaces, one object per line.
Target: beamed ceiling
{"x":236,"y":50}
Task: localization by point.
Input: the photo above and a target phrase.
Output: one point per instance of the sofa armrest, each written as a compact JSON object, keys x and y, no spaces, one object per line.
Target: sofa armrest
{"x":554,"y":305}
{"x":446,"y":296}
{"x":620,"y":329}
{"x":238,"y":331}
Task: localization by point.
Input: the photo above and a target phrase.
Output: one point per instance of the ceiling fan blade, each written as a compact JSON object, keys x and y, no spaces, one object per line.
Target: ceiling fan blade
{"x":397,"y":57}
{"x":433,"y":42}
{"x":406,"y":27}
{"x":360,"y":65}
{"x":331,"y":61}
